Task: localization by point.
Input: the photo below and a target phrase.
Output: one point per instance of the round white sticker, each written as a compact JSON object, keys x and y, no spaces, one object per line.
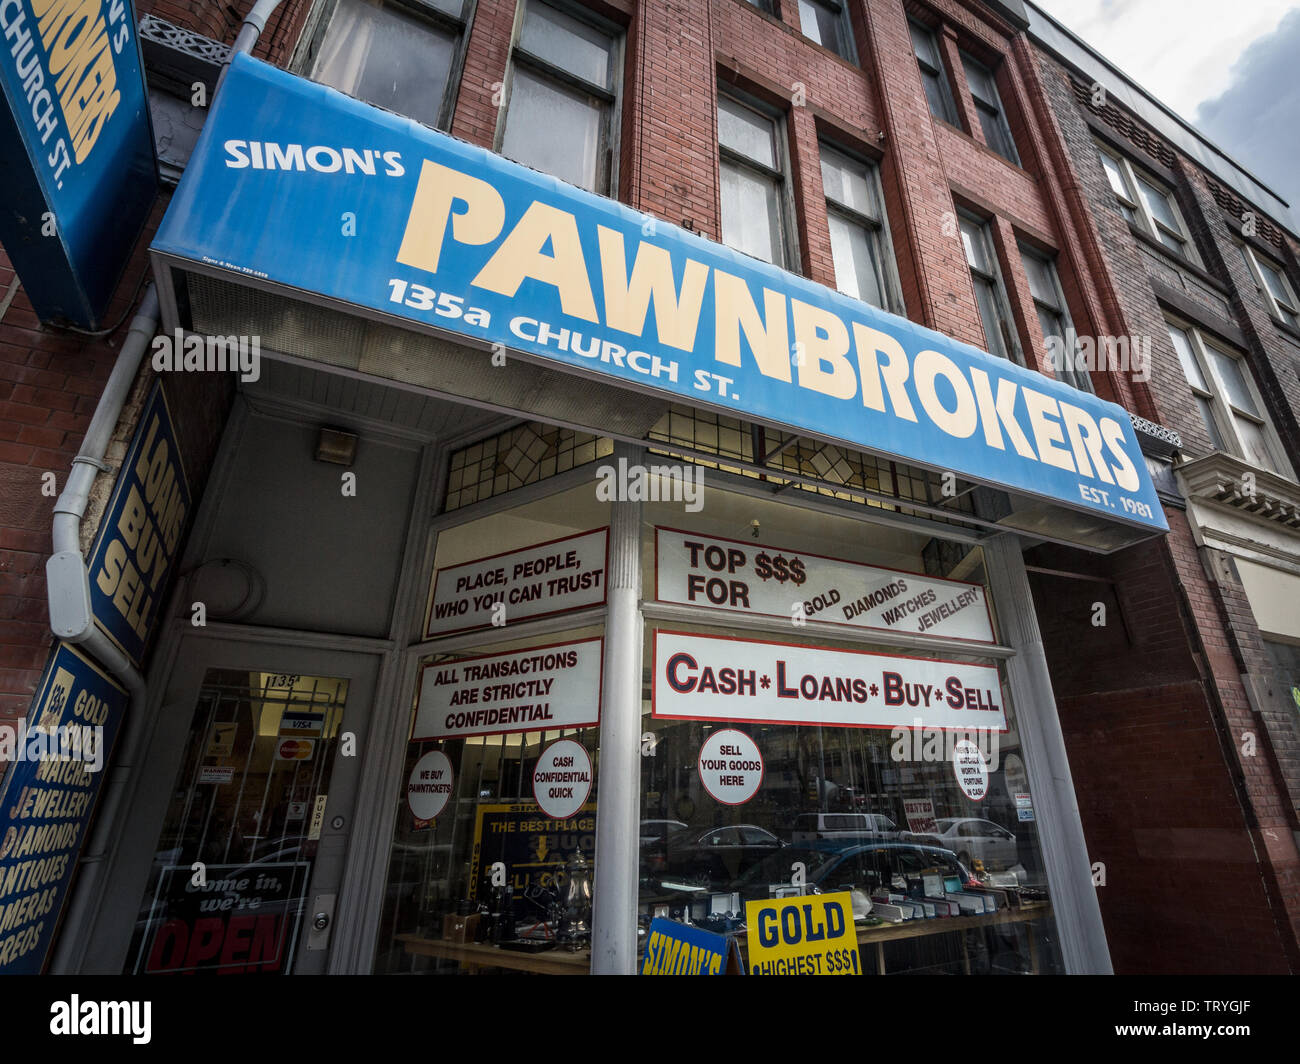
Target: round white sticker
{"x":562,"y":779}
{"x":429,"y":787}
{"x":731,"y":766}
{"x":971,"y":771}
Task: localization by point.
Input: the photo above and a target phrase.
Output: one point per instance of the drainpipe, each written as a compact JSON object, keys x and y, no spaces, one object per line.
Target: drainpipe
{"x":68,"y":587}
{"x":253,"y":25}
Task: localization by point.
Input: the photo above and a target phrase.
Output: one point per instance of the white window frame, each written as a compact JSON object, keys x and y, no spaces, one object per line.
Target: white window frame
{"x":610,"y":95}
{"x":877,"y":227}
{"x":949,"y":105}
{"x":429,"y":12}
{"x":841,"y":12}
{"x":1286,"y":312}
{"x":1009,"y":340}
{"x":1143,"y":219}
{"x":1077,"y":377}
{"x":1221,"y":407}
{"x":789,"y":237}
{"x":996,"y":105}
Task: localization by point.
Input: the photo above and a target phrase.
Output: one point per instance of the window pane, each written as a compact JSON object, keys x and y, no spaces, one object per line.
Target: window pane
{"x":938,"y":99}
{"x":1207,"y":415}
{"x":1053,"y":325}
{"x":1172,"y":242}
{"x":1254,"y":443}
{"x":822,"y":24}
{"x":569,"y":43}
{"x":1229,"y":371}
{"x":981,"y":83}
{"x":1042,"y":283}
{"x":1191,"y":370}
{"x":996,"y":135}
{"x":972,"y":240}
{"x":553,"y":129}
{"x":386,"y":58}
{"x":1115,"y":175}
{"x":846,"y":182}
{"x":856,"y":263}
{"x":1158,"y":204}
{"x":1276,"y":285}
{"x":986,"y":298}
{"x":746,"y":132}
{"x":924,"y":47}
{"x":751,"y":213}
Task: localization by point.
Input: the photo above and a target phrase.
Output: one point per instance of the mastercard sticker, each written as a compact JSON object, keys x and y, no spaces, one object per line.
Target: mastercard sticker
{"x":295,"y":749}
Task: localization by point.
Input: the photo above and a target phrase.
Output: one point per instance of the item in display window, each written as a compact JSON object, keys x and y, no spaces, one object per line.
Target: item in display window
{"x":888,"y":911}
{"x":944,"y":907}
{"x":575,"y":926}
{"x":970,"y":903}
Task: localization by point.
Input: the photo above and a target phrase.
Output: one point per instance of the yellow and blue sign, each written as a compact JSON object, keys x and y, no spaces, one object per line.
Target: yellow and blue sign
{"x":680,"y":949}
{"x":812,"y":934}
{"x":57,"y":758}
{"x":140,"y":535}
{"x":295,"y":183}
{"x":76,"y":151}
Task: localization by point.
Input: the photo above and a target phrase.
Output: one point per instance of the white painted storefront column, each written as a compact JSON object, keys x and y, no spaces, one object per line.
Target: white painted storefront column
{"x":618,"y":790}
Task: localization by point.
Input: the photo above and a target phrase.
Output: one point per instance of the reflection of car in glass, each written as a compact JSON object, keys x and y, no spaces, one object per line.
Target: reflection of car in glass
{"x":869,"y":868}
{"x":718,"y":856}
{"x":655,"y":831}
{"x":809,"y":827}
{"x":972,"y":839}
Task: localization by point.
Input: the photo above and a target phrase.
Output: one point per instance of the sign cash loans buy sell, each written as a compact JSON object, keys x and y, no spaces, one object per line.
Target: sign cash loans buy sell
{"x":460,"y":240}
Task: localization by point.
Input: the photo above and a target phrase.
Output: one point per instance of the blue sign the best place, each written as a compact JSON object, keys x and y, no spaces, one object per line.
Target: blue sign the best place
{"x":296,"y":184}
{"x":76,"y":151}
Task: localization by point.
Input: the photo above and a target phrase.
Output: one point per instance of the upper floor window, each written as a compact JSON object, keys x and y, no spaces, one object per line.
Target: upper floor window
{"x":1147,"y":204}
{"x":1230,"y":407}
{"x":859,"y":241}
{"x":1054,"y":318}
{"x":395,"y":54}
{"x":988,"y":105}
{"x":762,"y":5}
{"x":827,"y":23}
{"x":989,"y":297}
{"x":937,"y":91}
{"x":1272,"y":281}
{"x":561,"y":113}
{"x":753,"y":168}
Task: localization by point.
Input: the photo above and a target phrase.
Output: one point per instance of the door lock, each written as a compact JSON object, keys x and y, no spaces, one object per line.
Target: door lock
{"x":322,"y":910}
{"x":320,"y":921}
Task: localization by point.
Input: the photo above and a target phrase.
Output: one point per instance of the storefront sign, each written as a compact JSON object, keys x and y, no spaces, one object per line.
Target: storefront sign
{"x":541,"y":688}
{"x":130,"y":565}
{"x":812,"y":934}
{"x":682,"y":949}
{"x":731,"y":767}
{"x":462,"y":241}
{"x":56,"y":761}
{"x":562,"y":779}
{"x":216,"y":774}
{"x":239,"y":919}
{"x":301,"y":724}
{"x":730,"y":574}
{"x":553,"y":577}
{"x":430,"y":785}
{"x":699,"y":677}
{"x":295,"y":749}
{"x":920,"y":815}
{"x":971,"y":770}
{"x":76,"y":151}
{"x":533,"y":847}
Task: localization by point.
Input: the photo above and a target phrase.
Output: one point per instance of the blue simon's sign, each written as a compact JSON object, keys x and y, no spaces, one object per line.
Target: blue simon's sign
{"x":449,"y":236}
{"x":76,"y":151}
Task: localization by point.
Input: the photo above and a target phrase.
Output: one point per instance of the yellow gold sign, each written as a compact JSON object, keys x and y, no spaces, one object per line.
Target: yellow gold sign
{"x":808,"y":935}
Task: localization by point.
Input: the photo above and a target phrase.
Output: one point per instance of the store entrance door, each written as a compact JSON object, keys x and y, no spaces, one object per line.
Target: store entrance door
{"x":247,"y":867}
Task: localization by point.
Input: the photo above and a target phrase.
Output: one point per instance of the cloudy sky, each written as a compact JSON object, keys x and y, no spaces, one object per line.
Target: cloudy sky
{"x":1232,"y":70}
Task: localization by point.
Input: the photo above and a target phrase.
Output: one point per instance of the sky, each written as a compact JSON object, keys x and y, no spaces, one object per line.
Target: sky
{"x":1231,"y":70}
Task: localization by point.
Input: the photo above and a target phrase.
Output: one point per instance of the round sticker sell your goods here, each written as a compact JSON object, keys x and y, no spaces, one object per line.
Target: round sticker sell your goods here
{"x":730,"y":766}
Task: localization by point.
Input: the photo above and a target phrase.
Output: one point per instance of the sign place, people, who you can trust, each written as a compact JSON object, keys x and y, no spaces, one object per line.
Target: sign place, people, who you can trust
{"x":536,"y":689}
{"x":729,"y":574}
{"x":461,"y":241}
{"x":536,"y":581}
{"x":699,"y":677}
